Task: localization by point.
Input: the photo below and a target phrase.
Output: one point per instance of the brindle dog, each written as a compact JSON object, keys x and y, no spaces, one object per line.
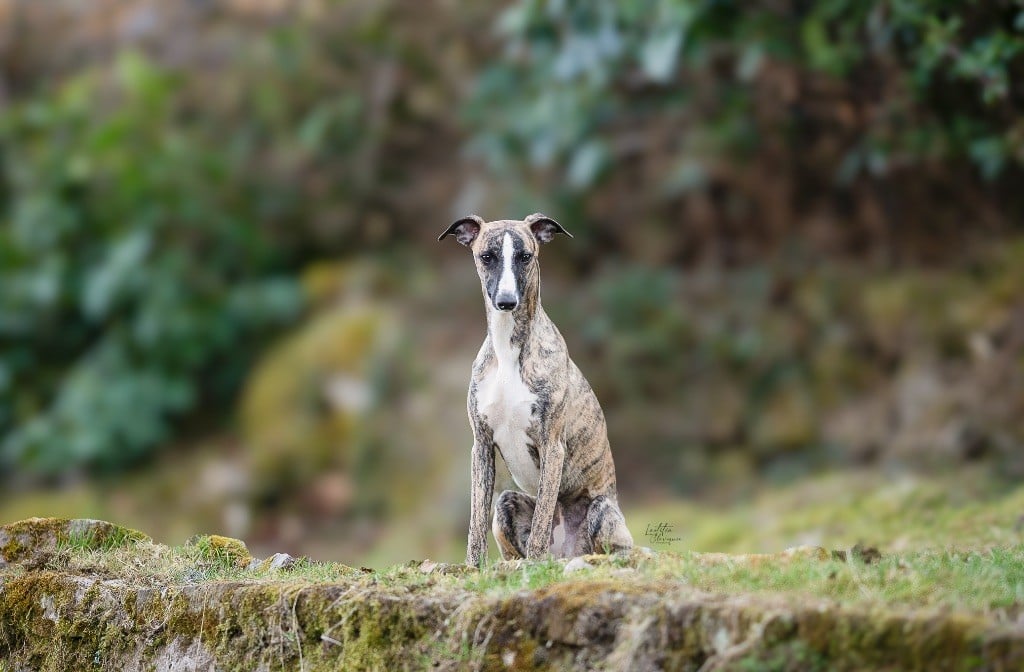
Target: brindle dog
{"x":528,"y":400}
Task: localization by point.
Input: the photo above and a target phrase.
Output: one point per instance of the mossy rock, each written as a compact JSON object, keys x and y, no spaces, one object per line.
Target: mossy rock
{"x":631,"y":611}
{"x":221,"y":550}
{"x":307,"y":399}
{"x":34,"y":541}
{"x":53,"y":621}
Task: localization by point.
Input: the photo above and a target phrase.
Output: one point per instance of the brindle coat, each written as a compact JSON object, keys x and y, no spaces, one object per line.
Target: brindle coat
{"x":529,"y":400}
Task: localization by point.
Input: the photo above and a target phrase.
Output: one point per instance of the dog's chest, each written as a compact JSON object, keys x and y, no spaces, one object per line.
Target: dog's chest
{"x":506,"y":404}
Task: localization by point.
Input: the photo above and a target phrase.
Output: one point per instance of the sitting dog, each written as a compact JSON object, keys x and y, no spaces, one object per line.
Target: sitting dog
{"x":528,"y":400}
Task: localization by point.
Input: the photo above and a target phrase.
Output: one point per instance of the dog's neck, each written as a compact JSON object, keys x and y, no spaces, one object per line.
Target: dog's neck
{"x":509,"y":331}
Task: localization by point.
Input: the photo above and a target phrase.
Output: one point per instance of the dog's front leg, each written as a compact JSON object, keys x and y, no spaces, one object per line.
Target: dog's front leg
{"x":552,"y":457}
{"x":481,"y":492}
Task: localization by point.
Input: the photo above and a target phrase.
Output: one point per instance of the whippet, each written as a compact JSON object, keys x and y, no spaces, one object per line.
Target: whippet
{"x":528,"y":400}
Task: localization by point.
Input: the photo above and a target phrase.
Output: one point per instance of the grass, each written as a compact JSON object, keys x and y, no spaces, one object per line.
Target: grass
{"x":898,"y":512}
{"x":946,"y":543}
{"x":950,"y":575}
{"x":87,"y":539}
{"x":148,"y":564}
{"x":527,"y":576}
{"x":451,"y":613}
{"x":987,"y":581}
{"x":904,"y":512}
{"x":990,"y":581}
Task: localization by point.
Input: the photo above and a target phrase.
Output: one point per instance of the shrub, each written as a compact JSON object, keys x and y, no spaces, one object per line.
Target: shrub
{"x":137,"y":275}
{"x":732,"y":124}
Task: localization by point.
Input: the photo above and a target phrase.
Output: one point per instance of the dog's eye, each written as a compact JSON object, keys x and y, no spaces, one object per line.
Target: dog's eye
{"x":487,"y":257}
{"x":525,"y":257}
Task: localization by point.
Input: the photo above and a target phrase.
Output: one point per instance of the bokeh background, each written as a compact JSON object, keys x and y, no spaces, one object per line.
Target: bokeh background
{"x":797,"y":276}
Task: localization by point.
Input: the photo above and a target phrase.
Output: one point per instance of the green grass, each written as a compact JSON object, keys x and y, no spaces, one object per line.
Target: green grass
{"x":967,"y":510}
{"x":899,"y":512}
{"x":976,"y":581}
{"x":87,"y":539}
{"x":988,"y":581}
{"x":946,"y":544}
{"x":527,"y":576}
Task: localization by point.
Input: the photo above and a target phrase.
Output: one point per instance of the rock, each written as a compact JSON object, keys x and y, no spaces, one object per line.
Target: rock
{"x":64,"y":619}
{"x":306,"y":400}
{"x":63,"y":622}
{"x":576,"y":565}
{"x":34,"y":542}
{"x":278,"y":561}
{"x":445,"y":568}
{"x":224,"y":550}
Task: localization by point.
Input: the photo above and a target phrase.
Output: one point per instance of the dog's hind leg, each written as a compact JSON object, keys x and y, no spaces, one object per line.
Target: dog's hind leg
{"x":513,"y":515}
{"x":604,"y":529}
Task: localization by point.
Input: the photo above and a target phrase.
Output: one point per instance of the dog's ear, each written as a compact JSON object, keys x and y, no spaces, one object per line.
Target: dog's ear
{"x":544,"y":228}
{"x":464,"y":230}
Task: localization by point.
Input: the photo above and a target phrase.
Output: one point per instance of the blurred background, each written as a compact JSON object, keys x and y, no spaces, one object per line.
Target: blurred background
{"x":796,"y":282}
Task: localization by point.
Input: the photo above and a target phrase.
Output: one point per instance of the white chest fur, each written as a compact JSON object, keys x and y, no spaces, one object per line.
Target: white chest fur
{"x":505,"y":403}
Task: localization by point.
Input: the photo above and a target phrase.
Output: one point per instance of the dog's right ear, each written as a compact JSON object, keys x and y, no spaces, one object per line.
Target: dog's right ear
{"x":465,"y":230}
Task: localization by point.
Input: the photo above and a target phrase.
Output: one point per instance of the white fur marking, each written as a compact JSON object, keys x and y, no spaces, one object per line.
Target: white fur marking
{"x":506,"y":404}
{"x":558,"y":535}
{"x":507,"y":284}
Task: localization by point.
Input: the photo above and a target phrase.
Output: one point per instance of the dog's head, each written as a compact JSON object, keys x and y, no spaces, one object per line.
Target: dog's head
{"x":505,"y":252}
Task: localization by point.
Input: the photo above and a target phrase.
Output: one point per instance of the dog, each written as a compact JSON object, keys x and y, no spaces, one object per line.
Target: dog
{"x":528,"y":400}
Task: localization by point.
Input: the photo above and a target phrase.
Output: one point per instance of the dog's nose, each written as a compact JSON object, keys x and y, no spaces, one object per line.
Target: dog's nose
{"x":505,"y":303}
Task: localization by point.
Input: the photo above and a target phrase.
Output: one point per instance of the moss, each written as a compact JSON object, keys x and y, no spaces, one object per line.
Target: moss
{"x":33,"y":609}
{"x":22,"y":538}
{"x":640,"y":611}
{"x":52,"y":621}
{"x":35,"y":541}
{"x":222,"y":550}
{"x":283,"y":413}
{"x":795,"y":655}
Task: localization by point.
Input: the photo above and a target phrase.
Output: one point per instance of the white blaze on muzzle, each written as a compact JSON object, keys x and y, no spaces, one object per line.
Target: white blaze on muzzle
{"x":507,"y":290}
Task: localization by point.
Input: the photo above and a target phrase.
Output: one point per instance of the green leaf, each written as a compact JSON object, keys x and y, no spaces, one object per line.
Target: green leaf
{"x":989,"y":154}
{"x":112,"y":278}
{"x":660,"y":53}
{"x":586,"y":164}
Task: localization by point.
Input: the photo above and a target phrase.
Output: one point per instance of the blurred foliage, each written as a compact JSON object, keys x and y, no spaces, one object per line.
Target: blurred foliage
{"x":132,"y":288}
{"x":781,"y":370}
{"x":162,"y":190}
{"x":312,"y":396}
{"x":744,"y":122}
{"x":157,"y":202}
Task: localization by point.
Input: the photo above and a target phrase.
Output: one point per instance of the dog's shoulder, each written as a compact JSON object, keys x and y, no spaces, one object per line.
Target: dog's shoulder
{"x":548,"y":353}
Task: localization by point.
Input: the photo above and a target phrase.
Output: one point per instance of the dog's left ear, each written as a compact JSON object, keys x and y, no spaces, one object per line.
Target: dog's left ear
{"x":544,"y":228}
{"x":464,"y":229}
